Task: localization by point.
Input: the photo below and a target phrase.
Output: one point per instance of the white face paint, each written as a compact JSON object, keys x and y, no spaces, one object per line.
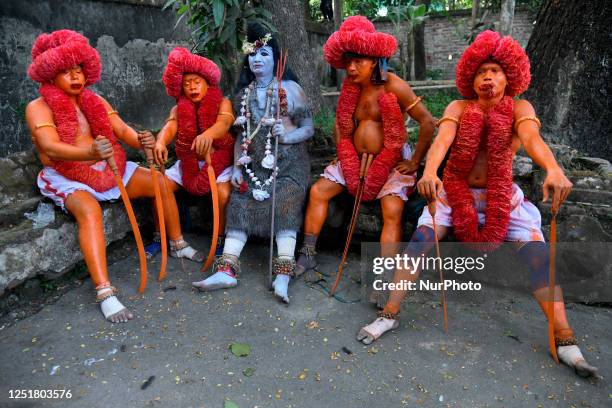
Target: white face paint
{"x":261,"y":63}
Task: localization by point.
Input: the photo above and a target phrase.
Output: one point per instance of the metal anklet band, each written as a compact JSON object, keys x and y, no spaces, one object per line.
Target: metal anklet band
{"x":284,"y":266}
{"x":388,"y":315}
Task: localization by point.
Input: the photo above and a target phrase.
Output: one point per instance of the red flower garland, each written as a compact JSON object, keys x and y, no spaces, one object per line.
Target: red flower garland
{"x":65,"y":117}
{"x":496,"y":126}
{"x":394,"y":139}
{"x":195,"y":181}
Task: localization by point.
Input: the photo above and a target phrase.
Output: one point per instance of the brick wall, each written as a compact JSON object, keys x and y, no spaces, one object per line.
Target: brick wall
{"x":444,"y":36}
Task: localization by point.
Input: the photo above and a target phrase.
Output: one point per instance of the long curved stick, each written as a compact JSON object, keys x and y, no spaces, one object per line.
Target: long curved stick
{"x":130,"y":213}
{"x":214,"y":193}
{"x":432,"y":210}
{"x":366,"y":162}
{"x":159,"y":205}
{"x":551,"y":285}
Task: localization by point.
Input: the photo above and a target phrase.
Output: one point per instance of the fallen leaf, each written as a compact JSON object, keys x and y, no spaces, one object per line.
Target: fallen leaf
{"x":248,"y":372}
{"x":240,"y":349}
{"x":230,"y":404}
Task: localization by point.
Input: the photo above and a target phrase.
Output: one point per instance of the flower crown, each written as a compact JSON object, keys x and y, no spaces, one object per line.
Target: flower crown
{"x":248,"y":48}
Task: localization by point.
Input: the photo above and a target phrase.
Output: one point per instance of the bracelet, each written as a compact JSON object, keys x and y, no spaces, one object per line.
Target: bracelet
{"x":231,"y":115}
{"x":170,"y":118}
{"x":113,"y":112}
{"x":447,"y":118}
{"x":45,"y":124}
{"x":524,"y":118}
{"x":413,"y":104}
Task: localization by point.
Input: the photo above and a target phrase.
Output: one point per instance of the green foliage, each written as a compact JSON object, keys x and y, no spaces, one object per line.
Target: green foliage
{"x":437,"y":101}
{"x":368,"y":8}
{"x":315,"y":10}
{"x":324,"y":122}
{"x":219,"y":27}
{"x":406,"y":15}
{"x":434,"y":74}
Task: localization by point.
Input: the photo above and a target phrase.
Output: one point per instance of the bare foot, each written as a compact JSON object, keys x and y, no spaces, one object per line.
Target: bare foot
{"x":572,"y":357}
{"x":377,"y":328}
{"x":189,"y":253}
{"x":114,"y":311}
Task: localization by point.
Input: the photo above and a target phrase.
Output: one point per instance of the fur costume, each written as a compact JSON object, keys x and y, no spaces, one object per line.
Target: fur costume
{"x":358,"y":35}
{"x":244,"y":213}
{"x":51,"y":54}
{"x":193,"y":119}
{"x":490,"y":46}
{"x":394,"y":139}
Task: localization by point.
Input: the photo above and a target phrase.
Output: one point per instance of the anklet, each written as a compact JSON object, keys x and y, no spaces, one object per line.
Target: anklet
{"x":388,"y":315}
{"x":112,"y":291}
{"x":308,"y":250}
{"x":283,"y":266}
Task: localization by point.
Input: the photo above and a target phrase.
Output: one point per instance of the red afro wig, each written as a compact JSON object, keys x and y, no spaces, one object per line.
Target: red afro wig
{"x":358,"y":35}
{"x":181,"y":61}
{"x":60,"y":50}
{"x":490,"y":46}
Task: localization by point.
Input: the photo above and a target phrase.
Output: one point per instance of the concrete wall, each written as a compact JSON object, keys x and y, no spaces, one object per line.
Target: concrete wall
{"x":133,"y":37}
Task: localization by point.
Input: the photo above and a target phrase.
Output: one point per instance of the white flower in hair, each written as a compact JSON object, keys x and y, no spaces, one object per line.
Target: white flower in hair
{"x":248,"y":47}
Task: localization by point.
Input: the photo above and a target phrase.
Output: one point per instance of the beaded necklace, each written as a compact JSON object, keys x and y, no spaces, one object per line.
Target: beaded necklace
{"x":266,"y":121}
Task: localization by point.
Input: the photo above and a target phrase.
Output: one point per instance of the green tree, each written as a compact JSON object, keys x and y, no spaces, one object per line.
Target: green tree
{"x":408,"y":16}
{"x":219,"y":28}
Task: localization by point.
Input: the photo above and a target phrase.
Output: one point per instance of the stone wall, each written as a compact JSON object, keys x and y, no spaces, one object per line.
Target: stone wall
{"x":133,"y":37}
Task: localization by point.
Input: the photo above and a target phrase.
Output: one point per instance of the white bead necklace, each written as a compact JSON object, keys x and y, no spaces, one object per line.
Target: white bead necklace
{"x":259,"y":192}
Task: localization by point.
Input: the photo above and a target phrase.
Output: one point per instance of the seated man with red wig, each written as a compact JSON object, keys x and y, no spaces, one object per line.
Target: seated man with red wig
{"x":369,"y":120}
{"x":201,"y":119}
{"x":477,"y":198}
{"x":75,"y":132}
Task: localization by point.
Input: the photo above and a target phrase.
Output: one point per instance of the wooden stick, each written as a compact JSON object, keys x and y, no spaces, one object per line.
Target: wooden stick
{"x":432,"y":210}
{"x":130,"y":213}
{"x":214,"y":192}
{"x":366,"y":162}
{"x":551,"y":285}
{"x":159,"y":205}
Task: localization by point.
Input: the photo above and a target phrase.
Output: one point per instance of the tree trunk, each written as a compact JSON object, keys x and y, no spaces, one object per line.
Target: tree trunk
{"x":420,"y":58}
{"x":506,"y":17}
{"x":306,"y":9}
{"x":409,"y":53}
{"x":340,"y":73}
{"x":293,"y":36}
{"x":337,"y":13}
{"x":571,"y":85}
{"x":475,"y":12}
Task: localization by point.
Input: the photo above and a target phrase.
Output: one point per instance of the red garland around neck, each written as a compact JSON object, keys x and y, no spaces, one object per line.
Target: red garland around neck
{"x":496,"y":128}
{"x":394,"y":139}
{"x":65,"y":117}
{"x":195,"y":181}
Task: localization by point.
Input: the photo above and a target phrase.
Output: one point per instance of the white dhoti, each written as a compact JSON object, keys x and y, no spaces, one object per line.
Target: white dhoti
{"x":398,"y":184}
{"x":175,"y":173}
{"x":57,"y":187}
{"x":525,"y":220}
